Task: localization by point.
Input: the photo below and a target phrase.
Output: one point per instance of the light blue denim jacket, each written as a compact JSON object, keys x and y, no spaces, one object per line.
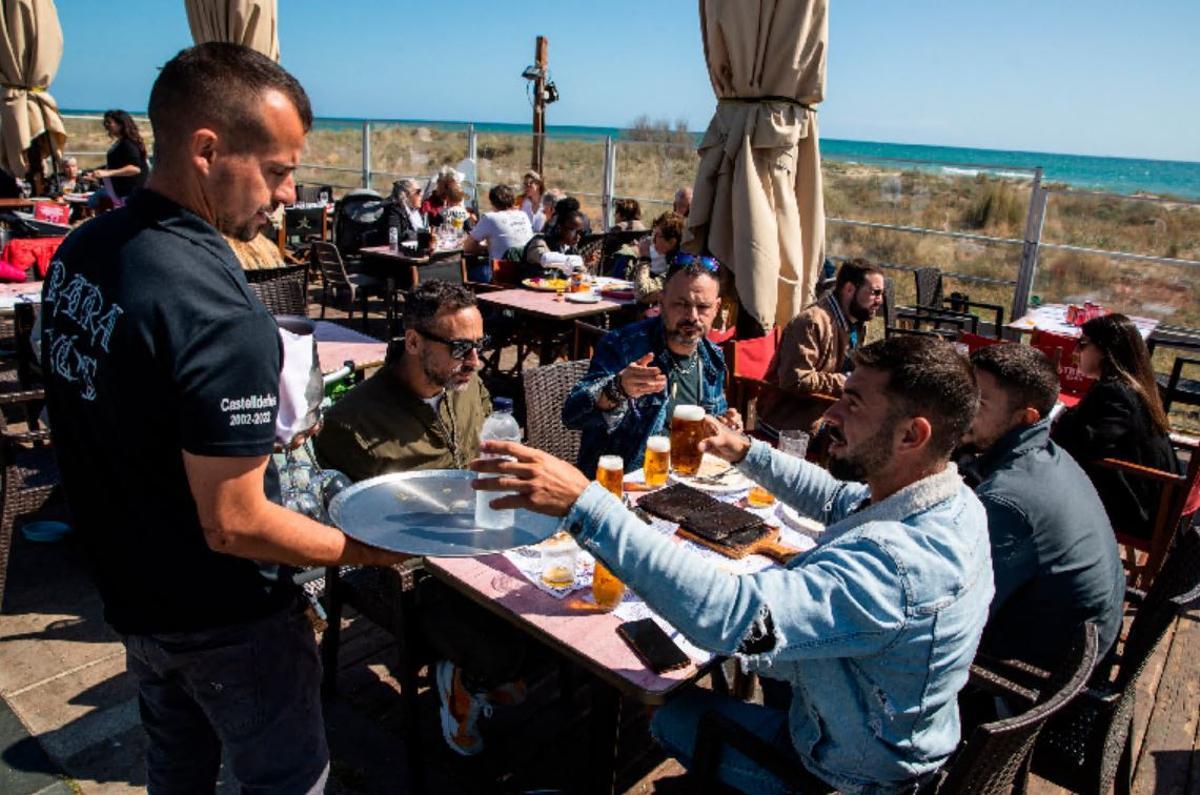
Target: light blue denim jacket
{"x":874,"y":629}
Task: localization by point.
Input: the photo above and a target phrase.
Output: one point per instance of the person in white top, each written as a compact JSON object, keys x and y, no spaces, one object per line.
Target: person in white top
{"x":505,"y":228}
{"x":531,"y":197}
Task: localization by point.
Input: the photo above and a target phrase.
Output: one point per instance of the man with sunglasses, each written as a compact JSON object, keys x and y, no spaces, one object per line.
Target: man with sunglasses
{"x":813,"y":356}
{"x":424,"y":409}
{"x":640,"y":372}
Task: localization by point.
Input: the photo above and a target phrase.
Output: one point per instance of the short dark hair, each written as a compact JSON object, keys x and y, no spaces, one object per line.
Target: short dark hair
{"x":855,"y":271}
{"x":429,"y":299}
{"x":1026,"y":375}
{"x":221,"y":85}
{"x":927,"y":378}
{"x":502,"y":197}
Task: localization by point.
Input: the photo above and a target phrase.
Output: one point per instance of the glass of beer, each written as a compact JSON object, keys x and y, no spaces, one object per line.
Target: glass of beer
{"x":658,"y":460}
{"x":607,"y":590}
{"x":610,"y":473}
{"x":687,"y":429}
{"x":559,"y":553}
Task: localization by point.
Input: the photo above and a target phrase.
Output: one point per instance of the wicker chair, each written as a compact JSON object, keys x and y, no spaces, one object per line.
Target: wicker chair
{"x":546,"y":389}
{"x":283,"y":291}
{"x":994,"y":761}
{"x":996,"y":757}
{"x":30,"y":472}
{"x":1088,"y":747}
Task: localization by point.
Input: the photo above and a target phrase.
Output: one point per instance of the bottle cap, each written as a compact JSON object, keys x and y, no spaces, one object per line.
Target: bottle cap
{"x":502,"y":404}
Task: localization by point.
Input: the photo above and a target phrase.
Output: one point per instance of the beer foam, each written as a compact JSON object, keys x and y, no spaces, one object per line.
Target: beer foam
{"x":659,"y":444}
{"x":689,"y":412}
{"x":613,"y":462}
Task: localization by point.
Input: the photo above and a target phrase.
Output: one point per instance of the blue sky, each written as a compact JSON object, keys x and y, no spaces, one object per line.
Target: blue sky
{"x":1101,"y":77}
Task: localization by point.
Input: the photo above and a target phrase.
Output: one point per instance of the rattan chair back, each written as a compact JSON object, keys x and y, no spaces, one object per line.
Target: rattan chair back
{"x":546,"y":389}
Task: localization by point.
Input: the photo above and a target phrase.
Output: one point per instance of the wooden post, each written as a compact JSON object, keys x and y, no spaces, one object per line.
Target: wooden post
{"x":541,"y":61}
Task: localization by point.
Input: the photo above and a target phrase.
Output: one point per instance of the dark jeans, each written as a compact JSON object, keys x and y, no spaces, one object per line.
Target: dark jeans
{"x":252,"y":689}
{"x":489,"y":651}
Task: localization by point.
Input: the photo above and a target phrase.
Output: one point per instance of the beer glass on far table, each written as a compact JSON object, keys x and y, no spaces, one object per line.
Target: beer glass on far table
{"x":687,"y":429}
{"x":607,"y":590}
{"x":657,"y":461}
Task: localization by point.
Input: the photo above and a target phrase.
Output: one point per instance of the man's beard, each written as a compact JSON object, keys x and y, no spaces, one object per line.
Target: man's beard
{"x":870,"y":457}
{"x":677,"y":336}
{"x":860,"y":313}
{"x":244,"y":231}
{"x":446,"y":380}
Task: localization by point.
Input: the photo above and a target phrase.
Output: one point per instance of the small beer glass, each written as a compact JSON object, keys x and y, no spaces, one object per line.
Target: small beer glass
{"x":687,"y":429}
{"x":607,"y":590}
{"x":658,"y":461}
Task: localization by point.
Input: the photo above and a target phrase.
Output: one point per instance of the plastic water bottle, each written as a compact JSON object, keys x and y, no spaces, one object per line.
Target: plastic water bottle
{"x":393,"y":238}
{"x":502,"y":426}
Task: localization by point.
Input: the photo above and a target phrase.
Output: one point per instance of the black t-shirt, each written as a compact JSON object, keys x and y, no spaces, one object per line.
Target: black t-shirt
{"x":153,"y":345}
{"x":125,"y":153}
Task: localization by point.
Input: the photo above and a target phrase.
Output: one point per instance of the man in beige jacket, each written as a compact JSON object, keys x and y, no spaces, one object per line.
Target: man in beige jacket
{"x":813,"y":355}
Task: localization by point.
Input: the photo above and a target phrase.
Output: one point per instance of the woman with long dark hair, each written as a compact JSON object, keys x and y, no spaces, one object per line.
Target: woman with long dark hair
{"x":1121,"y":417}
{"x":125,"y":163}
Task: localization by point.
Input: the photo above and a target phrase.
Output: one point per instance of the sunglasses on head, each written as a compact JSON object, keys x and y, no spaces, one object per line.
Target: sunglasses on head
{"x":459,"y":349}
{"x":684,"y":259}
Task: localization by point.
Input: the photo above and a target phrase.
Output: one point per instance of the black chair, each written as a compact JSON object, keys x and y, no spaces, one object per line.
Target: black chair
{"x":931,"y":303}
{"x":1088,"y":747}
{"x":335,"y":279}
{"x":283,"y":291}
{"x":1178,"y":389}
{"x":995,"y":757}
{"x":303,"y":226}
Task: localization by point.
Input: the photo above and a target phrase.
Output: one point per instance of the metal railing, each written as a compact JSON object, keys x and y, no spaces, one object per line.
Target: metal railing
{"x":1031,"y":242}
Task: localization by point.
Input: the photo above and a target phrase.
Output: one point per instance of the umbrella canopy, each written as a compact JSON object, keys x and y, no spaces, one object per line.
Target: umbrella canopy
{"x":252,"y":23}
{"x":31,"y":46}
{"x":757,"y":203}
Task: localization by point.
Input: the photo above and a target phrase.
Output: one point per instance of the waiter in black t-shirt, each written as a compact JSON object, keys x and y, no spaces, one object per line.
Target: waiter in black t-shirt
{"x":163,"y":377}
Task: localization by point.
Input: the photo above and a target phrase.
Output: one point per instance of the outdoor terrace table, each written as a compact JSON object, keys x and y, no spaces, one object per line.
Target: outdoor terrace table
{"x":404,"y":268}
{"x":1053,"y":318}
{"x":545,"y":317}
{"x":576,"y":630}
{"x":337,"y":345}
{"x":12,"y":293}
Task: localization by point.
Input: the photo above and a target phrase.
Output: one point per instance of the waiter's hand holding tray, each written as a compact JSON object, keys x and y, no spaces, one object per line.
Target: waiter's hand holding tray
{"x":721,"y":527}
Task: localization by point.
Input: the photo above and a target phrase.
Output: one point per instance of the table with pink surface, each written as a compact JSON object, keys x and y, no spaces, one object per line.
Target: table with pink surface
{"x":15,"y":293}
{"x":338,"y":345}
{"x":575,"y":629}
{"x":1052,"y":318}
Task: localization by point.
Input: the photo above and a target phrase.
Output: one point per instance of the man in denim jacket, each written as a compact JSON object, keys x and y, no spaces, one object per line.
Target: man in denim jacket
{"x":874,"y":629}
{"x":640,"y":372}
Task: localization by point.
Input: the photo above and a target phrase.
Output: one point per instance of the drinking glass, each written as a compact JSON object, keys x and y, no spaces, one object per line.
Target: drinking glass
{"x":607,"y":590}
{"x":559,"y":553}
{"x":657,"y":461}
{"x":687,"y":429}
{"x":794,"y":443}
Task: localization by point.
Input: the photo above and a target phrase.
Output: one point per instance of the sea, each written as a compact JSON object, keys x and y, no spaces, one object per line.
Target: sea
{"x":1121,"y":175}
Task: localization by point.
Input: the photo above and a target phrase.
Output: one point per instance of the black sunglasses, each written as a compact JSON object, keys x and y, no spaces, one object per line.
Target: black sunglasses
{"x":459,"y":349}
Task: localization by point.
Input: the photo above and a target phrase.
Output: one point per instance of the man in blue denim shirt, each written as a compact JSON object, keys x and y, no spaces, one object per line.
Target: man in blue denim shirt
{"x":640,"y":372}
{"x":1054,"y":554}
{"x":874,"y":629}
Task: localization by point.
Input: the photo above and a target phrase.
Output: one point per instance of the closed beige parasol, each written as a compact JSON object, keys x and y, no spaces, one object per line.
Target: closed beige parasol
{"x":757,"y":202}
{"x":32,"y":47}
{"x":253,"y":23}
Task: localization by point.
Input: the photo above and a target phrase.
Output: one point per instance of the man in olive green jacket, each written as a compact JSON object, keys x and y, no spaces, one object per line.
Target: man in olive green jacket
{"x":813,"y":356}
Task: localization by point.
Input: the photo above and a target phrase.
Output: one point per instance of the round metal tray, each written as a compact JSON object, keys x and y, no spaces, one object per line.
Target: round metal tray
{"x":430,"y":512}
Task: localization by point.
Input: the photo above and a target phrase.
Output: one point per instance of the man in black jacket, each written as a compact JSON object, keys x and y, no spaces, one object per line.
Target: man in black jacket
{"x":1054,"y":555}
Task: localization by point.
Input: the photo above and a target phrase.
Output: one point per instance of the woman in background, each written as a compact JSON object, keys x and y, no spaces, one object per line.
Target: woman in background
{"x":531,"y":198}
{"x":628,"y":215}
{"x":404,"y":209}
{"x":653,"y":257}
{"x":125,"y":164}
{"x":1121,"y":417}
